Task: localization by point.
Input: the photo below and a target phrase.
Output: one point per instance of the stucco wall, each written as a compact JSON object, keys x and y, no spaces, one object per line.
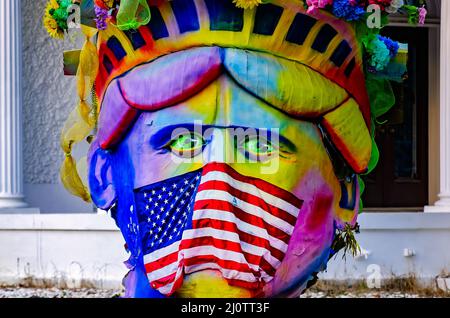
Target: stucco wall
{"x":48,"y":98}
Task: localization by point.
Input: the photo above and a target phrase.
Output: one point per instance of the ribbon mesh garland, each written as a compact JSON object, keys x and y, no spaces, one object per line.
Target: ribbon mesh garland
{"x":133,"y":14}
{"x":82,"y":120}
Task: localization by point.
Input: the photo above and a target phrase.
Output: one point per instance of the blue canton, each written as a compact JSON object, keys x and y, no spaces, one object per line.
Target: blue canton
{"x":165,"y":210}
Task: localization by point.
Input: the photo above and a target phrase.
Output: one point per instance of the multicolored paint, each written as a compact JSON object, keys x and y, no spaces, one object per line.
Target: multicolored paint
{"x":274,"y":94}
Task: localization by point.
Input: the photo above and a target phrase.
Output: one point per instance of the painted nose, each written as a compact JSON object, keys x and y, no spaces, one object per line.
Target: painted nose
{"x":220,"y":147}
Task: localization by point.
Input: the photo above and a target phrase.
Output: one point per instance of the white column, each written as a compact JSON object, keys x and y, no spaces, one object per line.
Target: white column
{"x":11,"y":177}
{"x":443,"y":204}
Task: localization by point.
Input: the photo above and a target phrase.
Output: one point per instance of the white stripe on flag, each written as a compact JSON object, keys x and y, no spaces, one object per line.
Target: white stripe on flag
{"x":166,"y":289}
{"x":232,"y":237}
{"x":241,"y":225}
{"x":251,"y":189}
{"x":226,"y":273}
{"x":225,"y":255}
{"x":156,"y":255}
{"x":163,"y":271}
{"x":219,"y":235}
{"x":246,"y":207}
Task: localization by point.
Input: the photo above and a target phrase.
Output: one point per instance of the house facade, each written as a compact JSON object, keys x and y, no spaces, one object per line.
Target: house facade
{"x":49,"y":234}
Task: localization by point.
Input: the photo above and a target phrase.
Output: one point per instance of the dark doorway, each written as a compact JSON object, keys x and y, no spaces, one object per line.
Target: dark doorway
{"x":401,"y":177}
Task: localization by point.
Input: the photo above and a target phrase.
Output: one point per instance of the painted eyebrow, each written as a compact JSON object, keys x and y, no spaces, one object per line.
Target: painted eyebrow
{"x":164,"y":135}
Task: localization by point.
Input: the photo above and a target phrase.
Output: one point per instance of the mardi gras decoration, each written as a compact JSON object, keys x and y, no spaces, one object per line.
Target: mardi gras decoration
{"x":227,"y":137}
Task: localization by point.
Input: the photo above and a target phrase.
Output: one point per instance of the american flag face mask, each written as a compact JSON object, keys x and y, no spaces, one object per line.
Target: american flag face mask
{"x":214,"y":219}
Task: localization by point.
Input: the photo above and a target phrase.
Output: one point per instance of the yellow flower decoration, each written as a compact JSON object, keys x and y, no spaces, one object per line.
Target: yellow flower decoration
{"x":50,"y":23}
{"x":247,"y":4}
{"x":52,"y":4}
{"x":52,"y":27}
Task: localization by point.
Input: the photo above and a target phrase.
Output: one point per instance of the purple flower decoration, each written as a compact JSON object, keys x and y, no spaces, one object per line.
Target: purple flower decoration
{"x":101,"y":16}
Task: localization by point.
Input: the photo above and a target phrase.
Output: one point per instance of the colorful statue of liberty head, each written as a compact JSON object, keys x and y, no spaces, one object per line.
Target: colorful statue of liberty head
{"x":227,"y":138}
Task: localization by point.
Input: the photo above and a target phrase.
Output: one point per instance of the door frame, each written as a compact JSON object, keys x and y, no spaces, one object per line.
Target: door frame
{"x":434,"y":49}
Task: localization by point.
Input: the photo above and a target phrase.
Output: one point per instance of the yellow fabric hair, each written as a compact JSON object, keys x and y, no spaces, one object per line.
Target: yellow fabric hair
{"x":82,"y":120}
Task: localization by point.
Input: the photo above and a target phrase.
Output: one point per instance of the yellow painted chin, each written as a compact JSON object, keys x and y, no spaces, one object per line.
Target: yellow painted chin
{"x":209,"y":284}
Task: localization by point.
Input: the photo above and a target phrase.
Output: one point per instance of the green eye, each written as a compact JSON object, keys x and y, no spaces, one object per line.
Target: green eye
{"x":190,"y":144}
{"x":259,"y":147}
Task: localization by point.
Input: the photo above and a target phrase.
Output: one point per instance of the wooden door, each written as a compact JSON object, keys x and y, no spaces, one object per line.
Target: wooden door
{"x":401,"y":177}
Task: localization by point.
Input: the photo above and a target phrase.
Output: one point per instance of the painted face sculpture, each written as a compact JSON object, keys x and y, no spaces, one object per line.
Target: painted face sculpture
{"x":228,"y":141}
{"x":220,"y":146}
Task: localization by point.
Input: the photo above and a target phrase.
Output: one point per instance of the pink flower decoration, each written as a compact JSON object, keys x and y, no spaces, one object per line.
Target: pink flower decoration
{"x":422,"y":15}
{"x":314,"y":5}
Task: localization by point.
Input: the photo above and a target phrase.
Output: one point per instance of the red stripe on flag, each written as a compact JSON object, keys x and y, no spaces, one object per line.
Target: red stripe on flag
{"x":261,"y":184}
{"x":243,"y":216}
{"x":161,"y":262}
{"x":211,"y":259}
{"x":249,"y":198}
{"x":226,"y":245}
{"x":231,"y":246}
{"x":243,"y":236}
{"x":247,"y":285}
{"x":225,"y":264}
{"x":163,"y":281}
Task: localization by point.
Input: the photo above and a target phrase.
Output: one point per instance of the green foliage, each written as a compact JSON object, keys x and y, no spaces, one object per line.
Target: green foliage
{"x":413,"y":14}
{"x":60,"y":14}
{"x":381,"y":95}
{"x":345,"y":239}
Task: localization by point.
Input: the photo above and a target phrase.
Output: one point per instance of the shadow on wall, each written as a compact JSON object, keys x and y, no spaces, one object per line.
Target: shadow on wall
{"x":53,"y":198}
